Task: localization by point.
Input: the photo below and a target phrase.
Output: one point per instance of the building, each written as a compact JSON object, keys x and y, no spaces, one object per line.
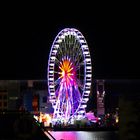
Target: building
{"x":9,"y":94}
{"x":100,"y":90}
{"x":35,"y":96}
{"x":30,"y":95}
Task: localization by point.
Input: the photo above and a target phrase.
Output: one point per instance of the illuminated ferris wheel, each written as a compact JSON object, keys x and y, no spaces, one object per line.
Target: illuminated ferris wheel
{"x":69,"y":75}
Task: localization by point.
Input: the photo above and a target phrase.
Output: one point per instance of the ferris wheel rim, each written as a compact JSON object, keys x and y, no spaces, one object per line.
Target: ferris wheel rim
{"x":87,"y":61}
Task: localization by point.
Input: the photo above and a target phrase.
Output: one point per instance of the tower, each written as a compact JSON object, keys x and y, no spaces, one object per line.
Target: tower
{"x":100,"y":97}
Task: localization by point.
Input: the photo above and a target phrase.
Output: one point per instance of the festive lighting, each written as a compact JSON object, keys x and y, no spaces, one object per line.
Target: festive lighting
{"x":69,"y":75}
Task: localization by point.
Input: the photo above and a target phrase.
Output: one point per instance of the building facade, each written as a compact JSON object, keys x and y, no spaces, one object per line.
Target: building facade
{"x":30,"y":95}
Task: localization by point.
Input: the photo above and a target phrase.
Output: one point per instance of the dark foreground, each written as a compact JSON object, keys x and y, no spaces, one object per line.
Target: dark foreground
{"x":22,"y":126}
{"x":19,"y":126}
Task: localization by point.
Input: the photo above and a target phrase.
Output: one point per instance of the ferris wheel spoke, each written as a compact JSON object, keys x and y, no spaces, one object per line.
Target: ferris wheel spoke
{"x":60,"y":52}
{"x":80,"y":85}
{"x":56,"y":72}
{"x":57,"y":81}
{"x":79,"y":65}
{"x":57,"y":61}
{"x":78,"y":58}
{"x":73,"y":48}
{"x":58,"y":58}
{"x":63,"y":48}
{"x":68,"y":49}
{"x":80,"y":75}
{"x":77,"y":100}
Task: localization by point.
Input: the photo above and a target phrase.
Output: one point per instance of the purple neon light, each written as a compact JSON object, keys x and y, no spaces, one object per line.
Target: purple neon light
{"x":65,"y":86}
{"x":68,"y":93}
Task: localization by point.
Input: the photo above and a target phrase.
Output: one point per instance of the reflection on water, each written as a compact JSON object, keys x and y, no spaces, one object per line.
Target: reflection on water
{"x":84,"y":135}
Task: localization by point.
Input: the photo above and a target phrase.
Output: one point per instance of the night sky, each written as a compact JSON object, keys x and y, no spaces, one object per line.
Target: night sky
{"x":110,"y":29}
{"x":26,"y":42}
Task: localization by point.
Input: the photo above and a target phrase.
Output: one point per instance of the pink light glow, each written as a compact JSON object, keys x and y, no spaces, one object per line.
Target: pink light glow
{"x":90,"y":116}
{"x":64,"y":135}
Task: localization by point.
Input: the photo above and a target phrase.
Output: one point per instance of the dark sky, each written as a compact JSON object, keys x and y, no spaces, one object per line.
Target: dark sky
{"x":26,"y":42}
